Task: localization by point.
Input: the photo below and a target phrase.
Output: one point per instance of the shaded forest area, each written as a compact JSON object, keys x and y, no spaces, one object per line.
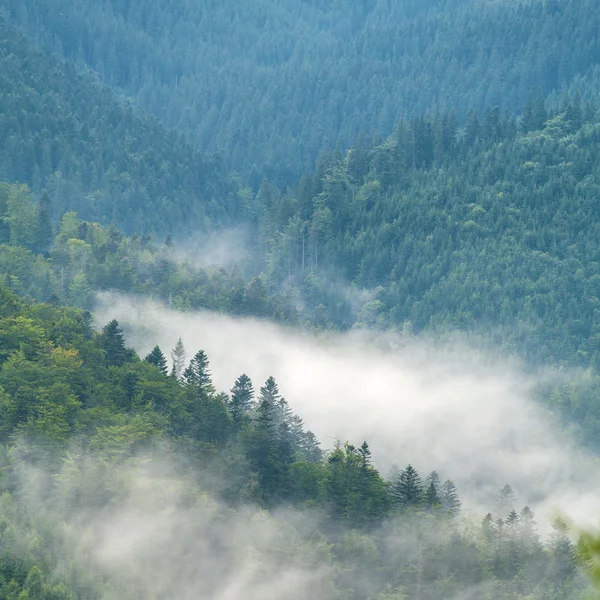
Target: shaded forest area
{"x":270,"y":84}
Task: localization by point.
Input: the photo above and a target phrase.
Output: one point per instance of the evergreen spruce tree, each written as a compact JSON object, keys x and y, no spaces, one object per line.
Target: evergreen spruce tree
{"x":431,"y":498}
{"x":449,"y":498}
{"x":530,"y":540}
{"x":157,"y":358}
{"x":432,"y":486}
{"x":269,"y":393}
{"x":488,"y":529}
{"x":263,"y":451}
{"x":112,"y":341}
{"x":506,"y":500}
{"x":562,"y":565}
{"x":406,"y":491}
{"x":309,"y":448}
{"x":197,"y":374}
{"x":242,"y":397}
{"x":178,"y":359}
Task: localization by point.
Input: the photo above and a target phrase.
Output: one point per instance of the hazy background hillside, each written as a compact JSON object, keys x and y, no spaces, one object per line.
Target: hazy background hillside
{"x":269,"y":84}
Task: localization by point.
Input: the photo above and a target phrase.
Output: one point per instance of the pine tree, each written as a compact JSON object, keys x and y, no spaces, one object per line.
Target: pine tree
{"x":432,"y":486}
{"x":506,"y":500}
{"x":431,"y":498}
{"x":528,"y":532}
{"x":157,"y":358}
{"x":562,"y":565}
{"x":242,"y":397}
{"x":197,"y":374}
{"x":178,"y":359}
{"x":406,"y":491}
{"x":270,"y":393}
{"x":309,"y":448}
{"x":112,"y":341}
{"x":263,"y":451}
{"x":449,"y":498}
{"x":488,"y":529}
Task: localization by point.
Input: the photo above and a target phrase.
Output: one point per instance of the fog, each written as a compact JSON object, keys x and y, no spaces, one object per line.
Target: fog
{"x":159,"y":537}
{"x":446,"y":407}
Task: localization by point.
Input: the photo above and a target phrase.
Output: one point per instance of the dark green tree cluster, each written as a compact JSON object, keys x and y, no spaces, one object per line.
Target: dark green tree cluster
{"x":488,"y":229}
{"x":98,"y":156}
{"x":82,"y":257}
{"x":270,"y":83}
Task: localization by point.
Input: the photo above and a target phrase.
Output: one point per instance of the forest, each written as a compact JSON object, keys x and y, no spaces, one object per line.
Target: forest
{"x":85,"y":417}
{"x":421,"y":170}
{"x":270,"y":84}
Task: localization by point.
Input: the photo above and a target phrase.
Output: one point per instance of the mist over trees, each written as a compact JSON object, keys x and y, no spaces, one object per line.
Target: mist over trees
{"x":81,"y":411}
{"x":416,"y":168}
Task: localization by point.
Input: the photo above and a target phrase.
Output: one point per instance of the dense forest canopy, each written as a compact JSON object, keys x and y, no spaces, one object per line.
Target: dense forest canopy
{"x":269,"y":84}
{"x":414,"y":168}
{"x":99,"y":156}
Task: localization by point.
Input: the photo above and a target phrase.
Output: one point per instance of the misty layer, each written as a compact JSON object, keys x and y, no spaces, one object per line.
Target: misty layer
{"x":134,"y":478}
{"x":436,"y":408}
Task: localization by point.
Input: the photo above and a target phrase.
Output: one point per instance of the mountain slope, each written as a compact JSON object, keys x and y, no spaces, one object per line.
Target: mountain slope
{"x":96,"y":154}
{"x":269,"y":83}
{"x":496,"y":232}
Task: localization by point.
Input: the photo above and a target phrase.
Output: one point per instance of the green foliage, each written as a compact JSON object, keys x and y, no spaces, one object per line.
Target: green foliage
{"x":271,"y":83}
{"x":95,"y":155}
{"x":82,"y":424}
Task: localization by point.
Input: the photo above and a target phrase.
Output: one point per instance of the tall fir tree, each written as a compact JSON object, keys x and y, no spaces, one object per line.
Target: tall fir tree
{"x":178,"y":355}
{"x":112,"y":341}
{"x":407,"y":490}
{"x":197,"y":374}
{"x":157,"y":358}
{"x":449,"y":498}
{"x":242,"y":398}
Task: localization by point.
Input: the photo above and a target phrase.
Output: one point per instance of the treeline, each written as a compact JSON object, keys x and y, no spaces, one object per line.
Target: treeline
{"x":97,"y":155}
{"x":69,"y":261}
{"x":80,"y":406}
{"x":269,"y":84}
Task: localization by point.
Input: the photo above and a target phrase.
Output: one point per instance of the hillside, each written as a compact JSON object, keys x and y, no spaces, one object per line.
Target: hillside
{"x":270,"y":83}
{"x":106,"y":454}
{"x":494,"y":232}
{"x":97,"y":155}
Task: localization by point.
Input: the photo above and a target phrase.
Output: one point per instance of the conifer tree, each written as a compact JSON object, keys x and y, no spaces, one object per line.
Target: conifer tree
{"x":488,"y":529}
{"x":242,"y":397}
{"x":112,"y":341}
{"x":270,"y":393}
{"x":178,"y":359}
{"x":157,"y":358}
{"x":562,"y":565}
{"x":197,"y":374}
{"x":263,"y":450}
{"x":506,"y":500}
{"x":406,"y":491}
{"x":449,"y":498}
{"x":431,"y":498}
{"x":309,"y":448}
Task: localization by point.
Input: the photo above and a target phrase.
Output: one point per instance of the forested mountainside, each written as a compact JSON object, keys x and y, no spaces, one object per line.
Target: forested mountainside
{"x":94,"y":154}
{"x":69,"y":261}
{"x":269,"y":83}
{"x":85,"y":422}
{"x":494,"y":231}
